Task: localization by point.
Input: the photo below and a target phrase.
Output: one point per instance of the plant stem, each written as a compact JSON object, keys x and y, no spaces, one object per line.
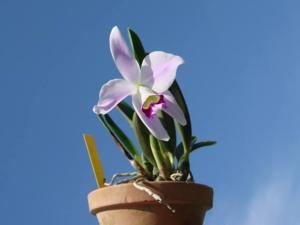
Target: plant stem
{"x":160,"y":161}
{"x":167,"y":155}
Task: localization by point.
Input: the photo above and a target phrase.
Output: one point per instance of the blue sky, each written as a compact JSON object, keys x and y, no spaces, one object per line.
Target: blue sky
{"x":241,"y":80}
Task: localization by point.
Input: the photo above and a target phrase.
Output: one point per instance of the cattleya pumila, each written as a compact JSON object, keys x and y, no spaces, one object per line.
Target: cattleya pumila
{"x":148,"y":85}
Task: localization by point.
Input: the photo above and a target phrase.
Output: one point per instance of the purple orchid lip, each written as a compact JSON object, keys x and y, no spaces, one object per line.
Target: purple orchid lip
{"x":153,"y":108}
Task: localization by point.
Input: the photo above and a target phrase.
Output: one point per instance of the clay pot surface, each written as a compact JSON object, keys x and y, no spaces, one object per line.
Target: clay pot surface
{"x":126,"y":205}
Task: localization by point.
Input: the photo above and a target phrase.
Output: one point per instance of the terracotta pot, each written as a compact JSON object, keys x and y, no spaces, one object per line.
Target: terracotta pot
{"x":126,"y":205}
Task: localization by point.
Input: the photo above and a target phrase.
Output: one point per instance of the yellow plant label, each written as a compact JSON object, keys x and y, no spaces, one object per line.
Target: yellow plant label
{"x":94,"y":159}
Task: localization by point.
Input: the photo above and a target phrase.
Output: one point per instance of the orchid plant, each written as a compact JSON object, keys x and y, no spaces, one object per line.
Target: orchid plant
{"x":158,"y":108}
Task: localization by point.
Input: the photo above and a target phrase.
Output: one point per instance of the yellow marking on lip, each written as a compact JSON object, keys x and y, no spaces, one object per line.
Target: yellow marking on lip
{"x":151,"y":99}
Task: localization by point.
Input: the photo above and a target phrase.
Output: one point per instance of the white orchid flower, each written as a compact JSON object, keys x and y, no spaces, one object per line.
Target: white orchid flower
{"x":148,"y":85}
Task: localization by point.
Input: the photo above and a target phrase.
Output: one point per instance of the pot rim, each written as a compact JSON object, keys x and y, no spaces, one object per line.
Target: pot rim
{"x":123,"y":196}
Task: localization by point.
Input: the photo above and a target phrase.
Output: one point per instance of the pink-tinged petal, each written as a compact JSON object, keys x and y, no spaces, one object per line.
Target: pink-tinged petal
{"x":173,"y":109}
{"x":112,"y":93}
{"x":159,"y":70}
{"x":153,"y":124}
{"x":125,"y":62}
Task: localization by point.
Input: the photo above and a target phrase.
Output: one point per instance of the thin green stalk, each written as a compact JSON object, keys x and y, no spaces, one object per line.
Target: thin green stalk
{"x":159,"y":159}
{"x":167,"y":155}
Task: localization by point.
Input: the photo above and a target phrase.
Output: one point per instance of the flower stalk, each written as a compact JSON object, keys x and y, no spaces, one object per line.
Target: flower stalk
{"x":160,"y":159}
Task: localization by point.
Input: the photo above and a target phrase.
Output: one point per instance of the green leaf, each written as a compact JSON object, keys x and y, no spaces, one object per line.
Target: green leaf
{"x":202,"y":144}
{"x":169,"y":125}
{"x":194,"y":140}
{"x":126,"y":110}
{"x":148,"y":166}
{"x":142,"y":135}
{"x":179,"y":152}
{"x":137,"y":46}
{"x":119,"y":134}
{"x":185,"y":131}
{"x":168,"y":147}
{"x":163,"y":169}
{"x":167,"y":155}
{"x":184,"y":167}
{"x":194,"y":145}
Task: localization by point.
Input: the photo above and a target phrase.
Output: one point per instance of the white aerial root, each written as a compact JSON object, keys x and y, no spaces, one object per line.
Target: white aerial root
{"x":156,"y":197}
{"x":176,"y":176}
{"x":115,"y":176}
